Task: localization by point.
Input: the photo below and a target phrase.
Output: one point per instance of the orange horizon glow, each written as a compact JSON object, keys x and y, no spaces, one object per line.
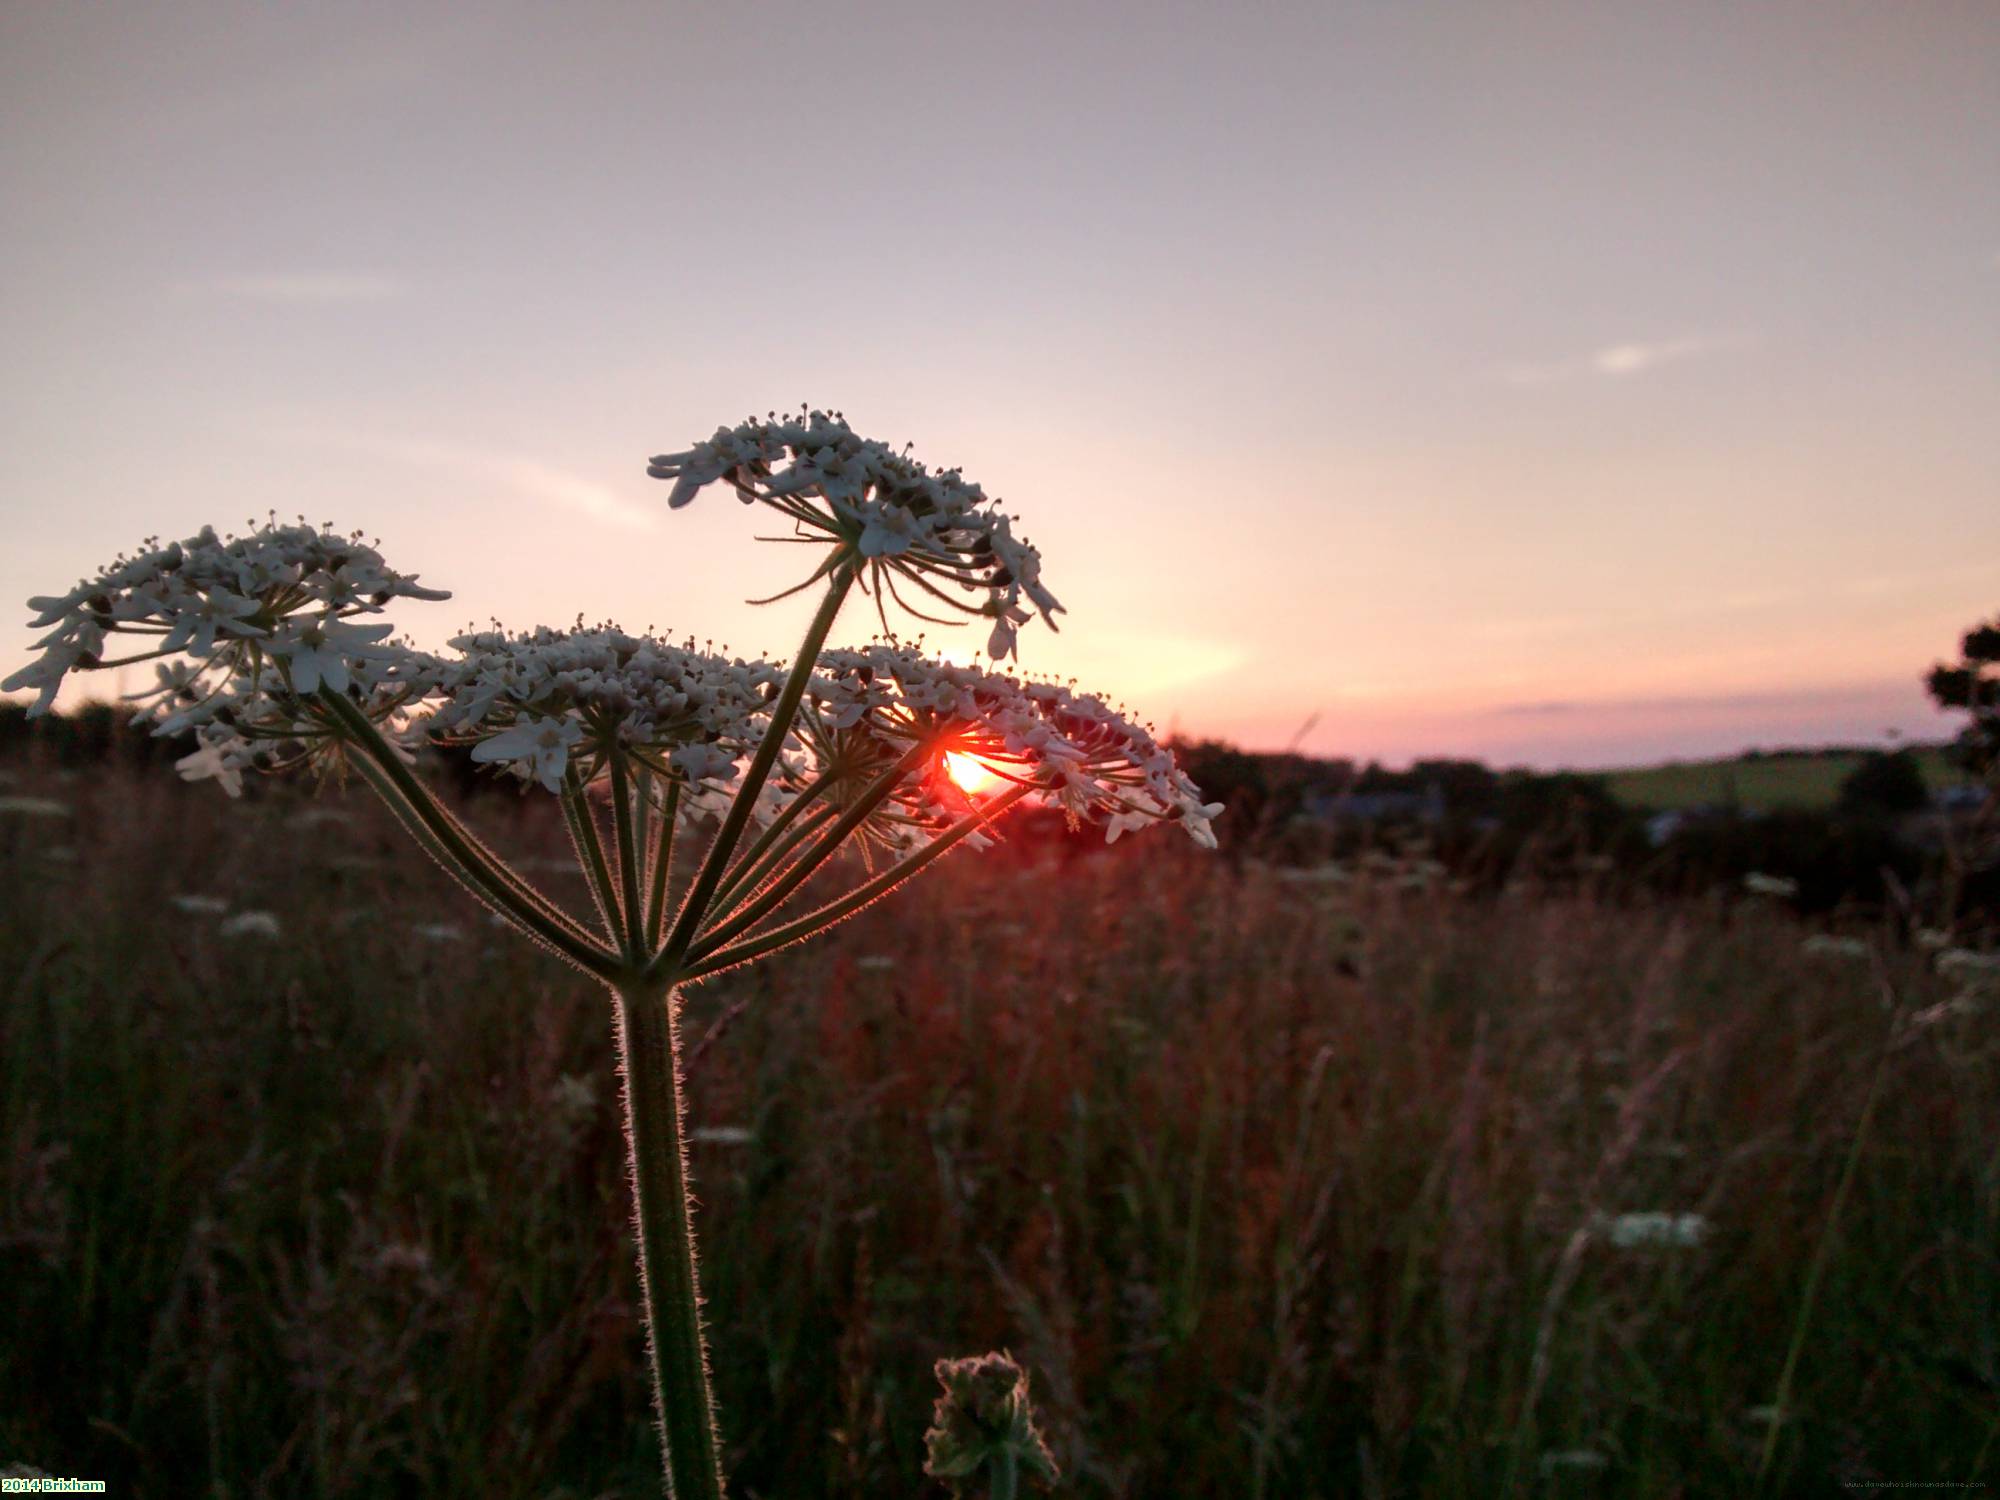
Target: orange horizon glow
{"x":1492,"y":419}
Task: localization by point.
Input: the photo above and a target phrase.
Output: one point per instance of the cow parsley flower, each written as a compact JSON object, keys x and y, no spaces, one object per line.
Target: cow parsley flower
{"x":278,"y":593}
{"x":1089,"y":758}
{"x":1970,"y":967}
{"x":534,"y":748}
{"x":34,"y":807}
{"x":935,"y":531}
{"x":731,"y":784}
{"x":1654,"y":1230}
{"x":1782,"y":887}
{"x":1840,"y":949}
{"x":220,"y":757}
{"x":544,"y":702}
{"x":257,"y":924}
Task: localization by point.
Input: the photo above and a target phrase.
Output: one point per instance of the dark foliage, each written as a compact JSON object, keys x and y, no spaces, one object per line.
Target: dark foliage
{"x":1884,"y":784}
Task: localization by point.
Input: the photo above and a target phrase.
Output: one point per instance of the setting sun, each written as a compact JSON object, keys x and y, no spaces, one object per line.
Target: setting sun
{"x":969,"y":772}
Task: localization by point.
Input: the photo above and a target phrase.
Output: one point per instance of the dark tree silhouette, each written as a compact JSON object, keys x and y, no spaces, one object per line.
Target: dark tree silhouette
{"x":1884,"y":782}
{"x":1972,"y":685}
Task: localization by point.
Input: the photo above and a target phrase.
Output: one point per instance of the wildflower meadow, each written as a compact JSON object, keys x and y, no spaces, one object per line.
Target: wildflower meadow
{"x":1273,"y":1187}
{"x":1114,"y":1167}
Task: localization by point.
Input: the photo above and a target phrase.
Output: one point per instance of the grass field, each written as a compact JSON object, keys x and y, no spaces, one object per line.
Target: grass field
{"x":1280,"y":1188}
{"x":1756,"y":783}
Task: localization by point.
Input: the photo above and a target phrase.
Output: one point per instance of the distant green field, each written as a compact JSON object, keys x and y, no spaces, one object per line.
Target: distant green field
{"x":1757,"y":783}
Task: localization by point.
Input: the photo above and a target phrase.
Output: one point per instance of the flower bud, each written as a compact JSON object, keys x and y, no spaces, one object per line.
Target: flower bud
{"x":983,"y":1427}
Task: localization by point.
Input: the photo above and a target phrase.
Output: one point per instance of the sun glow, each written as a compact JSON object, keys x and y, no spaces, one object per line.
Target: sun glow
{"x":969,"y":772}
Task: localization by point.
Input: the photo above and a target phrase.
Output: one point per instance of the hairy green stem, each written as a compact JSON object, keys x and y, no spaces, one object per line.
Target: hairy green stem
{"x":749,"y":875}
{"x":649,"y":1055}
{"x":642,"y":832}
{"x":356,"y":727}
{"x":590,"y":855}
{"x":851,"y":818}
{"x":744,"y":867}
{"x":488,"y":894}
{"x":839,"y":911}
{"x":695,"y":907}
{"x":630,"y":856}
{"x":462,"y":855}
{"x":663,"y":865}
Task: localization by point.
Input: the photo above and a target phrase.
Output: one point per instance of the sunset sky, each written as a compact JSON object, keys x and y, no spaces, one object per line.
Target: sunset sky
{"x":1560,"y":384}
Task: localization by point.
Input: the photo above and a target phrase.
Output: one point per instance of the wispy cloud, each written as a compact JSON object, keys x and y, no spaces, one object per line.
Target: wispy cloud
{"x":1846,"y":694}
{"x":310,"y":288}
{"x":572,"y":492}
{"x":1619,"y":360}
{"x":538,"y":481}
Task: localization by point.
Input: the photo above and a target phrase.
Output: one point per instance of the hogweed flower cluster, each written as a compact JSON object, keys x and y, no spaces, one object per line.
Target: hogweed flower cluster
{"x":546,"y":703}
{"x":703,"y":793}
{"x":936,"y":532}
{"x":245,"y":630}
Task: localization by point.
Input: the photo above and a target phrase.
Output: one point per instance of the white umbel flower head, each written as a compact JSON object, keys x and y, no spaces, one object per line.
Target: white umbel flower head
{"x":244,"y":631}
{"x":1089,"y":758}
{"x":935,"y":531}
{"x":548,"y":703}
{"x":279,"y":594}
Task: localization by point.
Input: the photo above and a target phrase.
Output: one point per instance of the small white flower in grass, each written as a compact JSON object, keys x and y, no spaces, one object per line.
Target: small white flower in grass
{"x":723,"y":1135}
{"x":571,"y":1107}
{"x":1654,"y":1230}
{"x":257,"y":924}
{"x":1978,"y":970}
{"x":199,"y":906}
{"x":533,"y":749}
{"x":1323,"y":874}
{"x":1842,"y":949}
{"x":1960,"y":1006}
{"x":575,"y":1093}
{"x":1783,"y":887}
{"x":33,"y":807}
